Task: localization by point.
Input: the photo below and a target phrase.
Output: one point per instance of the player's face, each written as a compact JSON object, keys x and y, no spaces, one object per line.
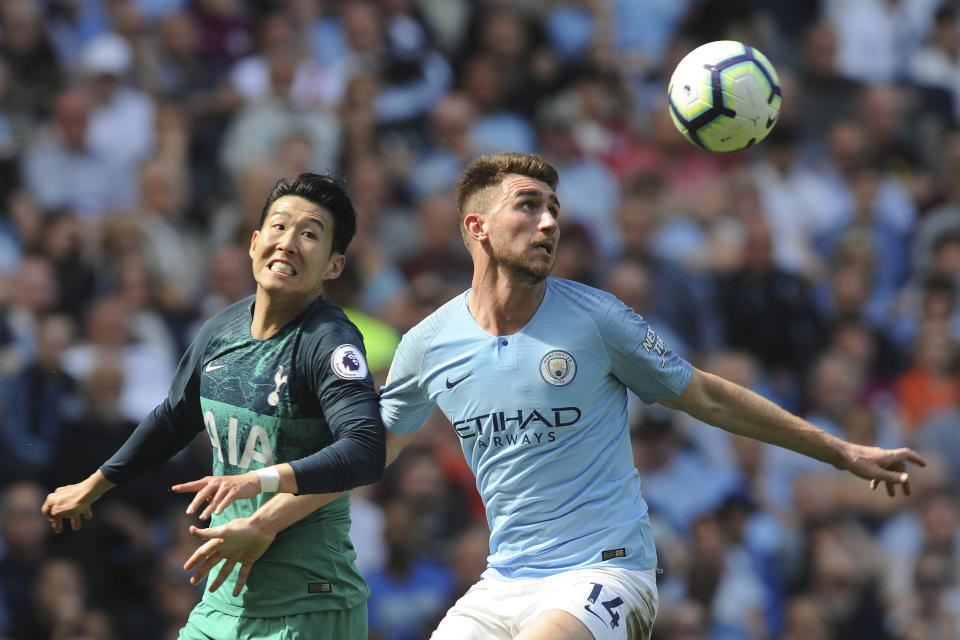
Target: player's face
{"x":522,"y":227}
{"x":291,"y":252}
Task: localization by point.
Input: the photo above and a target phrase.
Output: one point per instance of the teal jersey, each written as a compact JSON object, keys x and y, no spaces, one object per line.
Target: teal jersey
{"x":303,"y":392}
{"x":542,"y":420}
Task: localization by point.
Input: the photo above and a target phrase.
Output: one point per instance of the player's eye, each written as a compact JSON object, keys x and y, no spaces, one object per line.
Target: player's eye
{"x":278,"y":226}
{"x":309,"y":234}
{"x":528,"y":205}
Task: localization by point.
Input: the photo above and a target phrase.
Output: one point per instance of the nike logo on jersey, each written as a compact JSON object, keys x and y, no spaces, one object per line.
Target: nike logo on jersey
{"x":212,"y":367}
{"x":452,"y":383}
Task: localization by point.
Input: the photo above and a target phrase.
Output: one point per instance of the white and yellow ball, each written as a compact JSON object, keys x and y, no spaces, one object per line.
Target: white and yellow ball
{"x":724,"y":96}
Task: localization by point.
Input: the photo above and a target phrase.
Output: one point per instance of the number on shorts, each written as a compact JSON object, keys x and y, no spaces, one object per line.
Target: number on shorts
{"x":609,"y":605}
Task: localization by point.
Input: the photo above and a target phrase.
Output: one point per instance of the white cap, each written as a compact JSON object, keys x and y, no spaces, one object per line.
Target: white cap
{"x":107,"y":53}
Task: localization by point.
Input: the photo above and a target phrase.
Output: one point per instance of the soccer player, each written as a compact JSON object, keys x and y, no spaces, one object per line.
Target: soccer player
{"x":532,"y":373}
{"x":279,"y":376}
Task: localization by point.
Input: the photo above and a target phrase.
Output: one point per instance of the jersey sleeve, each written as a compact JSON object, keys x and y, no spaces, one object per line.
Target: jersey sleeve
{"x":639,"y":358}
{"x":170,"y":426}
{"x":344,"y":388}
{"x":404,"y":403}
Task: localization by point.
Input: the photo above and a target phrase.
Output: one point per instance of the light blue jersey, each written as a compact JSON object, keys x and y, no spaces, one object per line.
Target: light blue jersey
{"x":542,"y":419}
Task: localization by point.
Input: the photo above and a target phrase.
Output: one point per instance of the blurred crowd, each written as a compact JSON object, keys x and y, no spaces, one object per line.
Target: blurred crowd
{"x":138,"y":140}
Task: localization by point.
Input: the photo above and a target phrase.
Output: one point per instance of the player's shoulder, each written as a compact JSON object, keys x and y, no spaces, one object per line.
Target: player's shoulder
{"x":325,"y":322}
{"x":582,"y":298}
{"x":239,"y":313}
{"x":424,"y":332}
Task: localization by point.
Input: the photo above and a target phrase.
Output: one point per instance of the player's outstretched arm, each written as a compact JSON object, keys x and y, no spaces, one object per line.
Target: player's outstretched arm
{"x":244,"y":540}
{"x":738,"y":410}
{"x":220,"y":491}
{"x":74,"y":500}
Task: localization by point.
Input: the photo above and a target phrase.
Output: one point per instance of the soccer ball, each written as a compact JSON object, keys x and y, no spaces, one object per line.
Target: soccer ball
{"x":724,"y":96}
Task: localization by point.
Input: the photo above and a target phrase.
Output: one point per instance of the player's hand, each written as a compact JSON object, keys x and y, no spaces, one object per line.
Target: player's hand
{"x":883,"y":465}
{"x":73,"y":501}
{"x":240,"y":540}
{"x":67,"y":503}
{"x":219,"y":492}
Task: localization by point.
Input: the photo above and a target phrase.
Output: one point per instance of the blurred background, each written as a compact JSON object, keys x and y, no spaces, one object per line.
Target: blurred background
{"x":139,"y":138}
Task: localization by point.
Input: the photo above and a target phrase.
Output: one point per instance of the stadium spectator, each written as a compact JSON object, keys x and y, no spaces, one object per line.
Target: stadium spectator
{"x":35,"y":74}
{"x":411,"y":589}
{"x":311,"y":86}
{"x":790,"y":197}
{"x":496,"y":125}
{"x":937,"y":63}
{"x":34,"y":294}
{"x":367,"y":530}
{"x":108,"y":332}
{"x":686,"y":620}
{"x":173,"y":250}
{"x":439,"y":249}
{"x":805,"y":619}
{"x":258,"y":128}
{"x":228,"y":280}
{"x":122,"y":117}
{"x":62,"y":607}
{"x":24,"y":537}
{"x":931,"y":384}
{"x":767,"y":311}
{"x":842,"y":572}
{"x":824,"y":95}
{"x":875,"y":38}
{"x":448,"y":146}
{"x":84,"y":177}
{"x":226,"y":31}
{"x":668,"y":468}
{"x":38,"y":402}
{"x":934,"y":616}
{"x":435,"y":503}
{"x":67,"y":245}
{"x":945,"y":217}
{"x":690,"y":301}
{"x":590,"y":191}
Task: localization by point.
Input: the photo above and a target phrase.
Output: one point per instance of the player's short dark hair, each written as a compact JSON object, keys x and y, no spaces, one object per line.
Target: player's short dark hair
{"x":322,"y":191}
{"x":488,"y":171}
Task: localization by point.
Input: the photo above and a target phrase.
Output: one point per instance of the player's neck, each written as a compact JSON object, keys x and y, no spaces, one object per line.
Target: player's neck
{"x":272,"y":313}
{"x":502,"y":306}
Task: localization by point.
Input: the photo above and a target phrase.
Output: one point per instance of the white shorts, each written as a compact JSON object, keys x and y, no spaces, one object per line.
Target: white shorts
{"x":613,"y":603}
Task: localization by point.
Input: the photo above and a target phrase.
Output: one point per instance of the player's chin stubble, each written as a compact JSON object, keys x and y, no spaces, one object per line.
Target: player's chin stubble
{"x":522,"y":270}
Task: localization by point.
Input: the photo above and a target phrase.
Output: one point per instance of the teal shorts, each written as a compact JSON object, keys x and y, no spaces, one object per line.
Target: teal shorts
{"x":206,"y":623}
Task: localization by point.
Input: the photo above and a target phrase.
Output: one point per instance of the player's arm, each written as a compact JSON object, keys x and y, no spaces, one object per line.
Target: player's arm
{"x":727,"y":405}
{"x":244,"y":540}
{"x":167,"y":430}
{"x":402,"y":409}
{"x":355,"y":456}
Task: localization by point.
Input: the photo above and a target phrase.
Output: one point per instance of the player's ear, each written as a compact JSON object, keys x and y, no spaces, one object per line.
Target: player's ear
{"x":473,"y":223}
{"x":335,"y":268}
{"x":253,"y":242}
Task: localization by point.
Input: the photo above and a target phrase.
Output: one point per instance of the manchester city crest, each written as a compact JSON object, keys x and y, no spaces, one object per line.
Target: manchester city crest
{"x":558,"y":368}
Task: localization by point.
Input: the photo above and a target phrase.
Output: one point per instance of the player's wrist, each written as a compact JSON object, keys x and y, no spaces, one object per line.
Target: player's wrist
{"x":845,"y":455}
{"x":96,"y":485}
{"x":269,"y":479}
